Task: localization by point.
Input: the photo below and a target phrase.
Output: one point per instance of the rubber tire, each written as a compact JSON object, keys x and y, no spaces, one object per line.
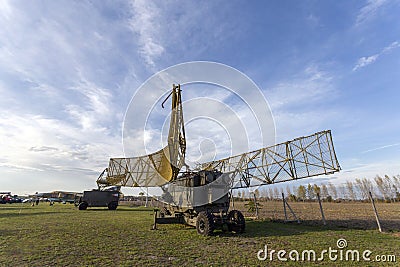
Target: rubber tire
{"x":236,"y":222}
{"x":83,"y":206}
{"x":112,"y":205}
{"x":205,"y":223}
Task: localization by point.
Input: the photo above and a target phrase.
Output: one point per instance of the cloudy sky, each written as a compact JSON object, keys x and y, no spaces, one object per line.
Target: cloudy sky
{"x":68,"y":70}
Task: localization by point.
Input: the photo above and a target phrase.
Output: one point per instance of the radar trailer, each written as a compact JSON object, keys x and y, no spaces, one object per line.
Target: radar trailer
{"x":201,"y":197}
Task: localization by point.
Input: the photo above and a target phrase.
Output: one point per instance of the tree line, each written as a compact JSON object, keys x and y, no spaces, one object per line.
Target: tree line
{"x":382,"y":188}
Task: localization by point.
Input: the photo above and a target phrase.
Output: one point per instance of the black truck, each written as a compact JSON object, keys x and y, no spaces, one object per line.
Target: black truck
{"x":99,"y":198}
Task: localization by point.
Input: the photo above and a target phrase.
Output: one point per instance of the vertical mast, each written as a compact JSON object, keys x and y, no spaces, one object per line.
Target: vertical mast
{"x":176,"y":135}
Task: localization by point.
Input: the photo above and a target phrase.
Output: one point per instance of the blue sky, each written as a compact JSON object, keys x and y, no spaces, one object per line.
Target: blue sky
{"x":68,"y":70}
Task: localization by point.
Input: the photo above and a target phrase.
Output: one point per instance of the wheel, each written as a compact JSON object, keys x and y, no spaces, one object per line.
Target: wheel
{"x":112,"y":205}
{"x":205,"y":223}
{"x":236,"y":222}
{"x":82,"y":206}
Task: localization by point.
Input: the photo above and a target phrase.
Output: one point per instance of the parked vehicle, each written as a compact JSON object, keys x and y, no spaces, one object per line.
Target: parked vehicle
{"x":8,"y":199}
{"x":99,"y":198}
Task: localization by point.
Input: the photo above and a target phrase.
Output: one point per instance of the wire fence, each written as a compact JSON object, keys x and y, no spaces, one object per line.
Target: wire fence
{"x":344,"y":214}
{"x":348,"y":204}
{"x":345,"y":205}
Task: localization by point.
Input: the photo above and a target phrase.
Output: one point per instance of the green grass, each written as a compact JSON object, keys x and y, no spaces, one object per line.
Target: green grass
{"x":61,"y":235}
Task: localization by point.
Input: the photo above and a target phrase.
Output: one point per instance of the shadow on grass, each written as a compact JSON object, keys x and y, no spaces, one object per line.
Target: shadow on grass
{"x":135,"y":209}
{"x":265,"y":228}
{"x":255,"y":228}
{"x":261,"y":229}
{"x":119,"y":209}
{"x":268,"y":228}
{"x":356,"y":224}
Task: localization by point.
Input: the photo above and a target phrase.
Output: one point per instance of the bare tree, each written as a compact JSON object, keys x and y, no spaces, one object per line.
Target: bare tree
{"x":288,"y":191}
{"x":301,"y":192}
{"x":359,"y":185}
{"x":270,"y":194}
{"x":364,"y":186}
{"x":384,"y":186}
{"x":390,"y":188}
{"x":324,"y":191}
{"x":264,"y":193}
{"x":350,"y":190}
{"x":276,"y":193}
{"x":316,"y":189}
{"x":310,"y":192}
{"x":396,"y":187}
{"x":343,"y":192}
{"x":332,"y":190}
{"x":396,"y":181}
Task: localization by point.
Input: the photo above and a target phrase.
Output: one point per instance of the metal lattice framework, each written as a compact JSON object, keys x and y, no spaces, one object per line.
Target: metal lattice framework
{"x":155,"y":169}
{"x":300,"y":158}
{"x":150,"y":170}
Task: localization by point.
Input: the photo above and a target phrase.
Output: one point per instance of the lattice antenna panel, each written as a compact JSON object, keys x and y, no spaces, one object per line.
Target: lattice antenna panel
{"x":149,"y":170}
{"x":158,"y":168}
{"x":300,"y":158}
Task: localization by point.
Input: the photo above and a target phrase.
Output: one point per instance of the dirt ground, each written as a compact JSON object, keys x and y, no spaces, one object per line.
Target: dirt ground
{"x":345,"y":214}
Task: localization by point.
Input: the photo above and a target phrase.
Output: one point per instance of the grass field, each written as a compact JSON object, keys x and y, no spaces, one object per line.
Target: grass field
{"x":61,"y":235}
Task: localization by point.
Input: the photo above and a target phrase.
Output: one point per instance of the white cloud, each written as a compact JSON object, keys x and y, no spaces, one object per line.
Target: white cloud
{"x":5,"y":9}
{"x":144,"y":23}
{"x":390,"y":47}
{"x":303,"y":104}
{"x":35,"y":143}
{"x":312,"y":85}
{"x":59,"y":88}
{"x":381,"y":147}
{"x":169,"y":30}
{"x":95,"y":110}
{"x":365,"y":61}
{"x":369,"y":11}
{"x":368,"y":170}
{"x":43,"y":148}
{"x":313,"y":20}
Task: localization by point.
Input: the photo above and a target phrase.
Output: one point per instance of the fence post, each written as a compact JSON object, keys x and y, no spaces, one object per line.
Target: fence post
{"x":233,"y":199}
{"x":376,"y":213}
{"x":285,"y":203}
{"x":147,"y":196}
{"x":284,"y":206}
{"x":322,"y":211}
{"x":155,"y":220}
{"x":255,"y":204}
